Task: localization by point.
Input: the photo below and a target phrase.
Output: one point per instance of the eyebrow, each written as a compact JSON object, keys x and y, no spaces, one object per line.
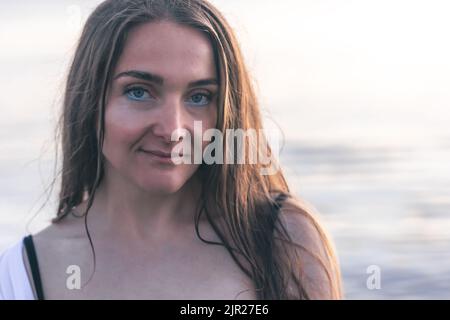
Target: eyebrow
{"x":150,"y":77}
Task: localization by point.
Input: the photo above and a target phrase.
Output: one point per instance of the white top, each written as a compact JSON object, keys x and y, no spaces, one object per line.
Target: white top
{"x":14,"y":281}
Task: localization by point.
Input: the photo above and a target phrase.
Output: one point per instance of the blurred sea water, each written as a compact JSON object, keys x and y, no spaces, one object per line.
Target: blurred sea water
{"x":384,"y":207}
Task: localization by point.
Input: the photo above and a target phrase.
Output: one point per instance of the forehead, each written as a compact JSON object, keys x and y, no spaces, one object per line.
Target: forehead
{"x":176,"y":52}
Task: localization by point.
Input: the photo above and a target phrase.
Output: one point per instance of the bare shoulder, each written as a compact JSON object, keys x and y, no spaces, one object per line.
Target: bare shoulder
{"x":53,"y":245}
{"x":319,"y":269}
{"x":69,"y":228}
{"x":59,"y":240}
{"x":303,"y":224}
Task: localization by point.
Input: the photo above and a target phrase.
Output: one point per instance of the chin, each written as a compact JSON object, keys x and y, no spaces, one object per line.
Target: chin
{"x":164,"y":182}
{"x":162,"y":185}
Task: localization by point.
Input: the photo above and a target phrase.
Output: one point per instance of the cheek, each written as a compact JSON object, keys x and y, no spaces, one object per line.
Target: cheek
{"x":209,"y":119}
{"x":208,"y":122}
{"x":213,"y":117}
{"x":121,"y":127}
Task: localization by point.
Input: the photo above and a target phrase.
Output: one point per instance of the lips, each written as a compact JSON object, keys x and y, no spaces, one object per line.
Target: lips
{"x":158,"y":153}
{"x":161,"y":154}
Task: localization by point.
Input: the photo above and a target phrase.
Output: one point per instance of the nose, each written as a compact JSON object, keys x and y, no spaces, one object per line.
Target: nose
{"x":170,"y":120}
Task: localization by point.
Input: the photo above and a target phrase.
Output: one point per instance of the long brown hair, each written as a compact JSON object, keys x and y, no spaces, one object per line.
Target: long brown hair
{"x":244,"y":197}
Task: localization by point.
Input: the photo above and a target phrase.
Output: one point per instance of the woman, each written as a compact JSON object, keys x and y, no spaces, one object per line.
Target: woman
{"x":131,"y":223}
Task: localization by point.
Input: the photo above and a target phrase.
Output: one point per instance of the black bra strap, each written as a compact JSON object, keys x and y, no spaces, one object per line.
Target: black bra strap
{"x":31,"y":253}
{"x":279,"y":200}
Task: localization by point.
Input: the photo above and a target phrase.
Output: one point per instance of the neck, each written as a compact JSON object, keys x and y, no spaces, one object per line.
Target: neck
{"x":124,"y":212}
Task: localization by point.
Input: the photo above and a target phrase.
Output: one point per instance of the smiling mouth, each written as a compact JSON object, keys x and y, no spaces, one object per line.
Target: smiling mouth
{"x":160,"y":156}
{"x":157,"y":153}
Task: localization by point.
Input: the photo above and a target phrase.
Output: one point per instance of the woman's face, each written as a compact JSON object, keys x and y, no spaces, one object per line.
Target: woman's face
{"x":155,"y":91}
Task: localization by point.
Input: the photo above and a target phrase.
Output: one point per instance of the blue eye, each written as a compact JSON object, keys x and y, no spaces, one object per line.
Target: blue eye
{"x":137,"y":94}
{"x":141,"y":94}
{"x":200,"y":99}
